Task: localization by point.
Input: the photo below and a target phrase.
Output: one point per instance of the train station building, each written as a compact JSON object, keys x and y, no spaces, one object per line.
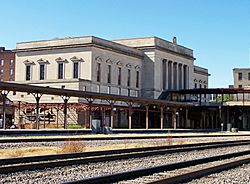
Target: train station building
{"x":138,"y":67}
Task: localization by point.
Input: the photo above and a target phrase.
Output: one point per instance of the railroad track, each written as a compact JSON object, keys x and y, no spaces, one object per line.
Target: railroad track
{"x":181,"y":171}
{"x":12,"y":165}
{"x":19,"y":140}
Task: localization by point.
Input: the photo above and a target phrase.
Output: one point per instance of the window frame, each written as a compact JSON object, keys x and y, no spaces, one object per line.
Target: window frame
{"x":60,"y":75}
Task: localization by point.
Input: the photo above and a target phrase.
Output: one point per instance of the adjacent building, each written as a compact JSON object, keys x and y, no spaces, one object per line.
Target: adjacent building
{"x":241,"y":77}
{"x":7,"y":65}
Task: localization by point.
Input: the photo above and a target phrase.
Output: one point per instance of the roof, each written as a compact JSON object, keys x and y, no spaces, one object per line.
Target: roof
{"x":212,"y":91}
{"x":84,"y":94}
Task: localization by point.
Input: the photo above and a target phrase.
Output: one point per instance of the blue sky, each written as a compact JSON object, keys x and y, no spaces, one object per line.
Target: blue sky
{"x":217,"y":30}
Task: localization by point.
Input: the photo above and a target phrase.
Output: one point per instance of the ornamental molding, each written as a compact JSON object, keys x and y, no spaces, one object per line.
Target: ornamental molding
{"x":109,"y":61}
{"x":42,"y":61}
{"x":137,"y":67}
{"x":119,"y":63}
{"x":98,"y":58}
{"x":76,"y":59}
{"x":28,"y":62}
{"x":60,"y":59}
{"x":129,"y":65}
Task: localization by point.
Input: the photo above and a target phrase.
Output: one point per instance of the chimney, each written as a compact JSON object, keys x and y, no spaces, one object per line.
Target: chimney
{"x":174,"y":40}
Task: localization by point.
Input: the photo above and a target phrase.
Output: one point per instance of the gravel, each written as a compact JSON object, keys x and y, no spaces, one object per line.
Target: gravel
{"x":239,"y":175}
{"x":76,"y":172}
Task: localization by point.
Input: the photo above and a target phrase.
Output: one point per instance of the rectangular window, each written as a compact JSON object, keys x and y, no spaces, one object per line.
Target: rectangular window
{"x":109,"y":89}
{"x":28,"y":72}
{"x":128,"y":92}
{"x":1,"y":71}
{"x":128,"y":81}
{"x":60,"y":70}
{"x":11,"y":62}
{"x":195,"y":85}
{"x":11,"y":72}
{"x":137,"y":79}
{"x":249,"y":76}
{"x":11,"y":79}
{"x":76,"y":67}
{"x":2,"y":62}
{"x":119,"y":91}
{"x":119,"y":75}
{"x":109,"y":73}
{"x":240,"y":86}
{"x":42,"y":74}
{"x":98,"y":72}
{"x":239,"y":76}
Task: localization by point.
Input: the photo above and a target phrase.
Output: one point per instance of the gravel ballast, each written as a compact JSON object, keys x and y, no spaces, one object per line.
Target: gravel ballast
{"x":76,"y":172}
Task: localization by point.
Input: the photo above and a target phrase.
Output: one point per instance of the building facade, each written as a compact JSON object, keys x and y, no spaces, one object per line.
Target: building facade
{"x":139,"y":67}
{"x":241,"y":77}
{"x":7,"y":65}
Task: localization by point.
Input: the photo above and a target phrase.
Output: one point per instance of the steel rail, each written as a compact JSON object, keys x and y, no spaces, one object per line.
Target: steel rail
{"x":41,"y":162}
{"x":167,"y":149}
{"x":123,"y":176}
{"x":202,"y":172}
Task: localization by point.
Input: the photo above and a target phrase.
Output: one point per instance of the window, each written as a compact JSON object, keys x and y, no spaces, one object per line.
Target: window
{"x":98,"y":72}
{"x":11,"y":62}
{"x":1,"y":79}
{"x":240,"y":86}
{"x":119,"y":91}
{"x":63,"y":86}
{"x":128,"y":81}
{"x":2,"y":62}
{"x":109,"y":89}
{"x":249,"y":76}
{"x":98,"y":88}
{"x":11,"y":72}
{"x":137,"y":79}
{"x":60,"y":70}
{"x":28,"y":72}
{"x":109,"y":73}
{"x":200,"y":86}
{"x":129,"y":92}
{"x":76,"y":68}
{"x":11,"y":79}
{"x":1,"y":71}
{"x":205,"y":86}
{"x":239,"y":76}
{"x":119,"y":75}
{"x":42,"y":73}
{"x":195,"y":85}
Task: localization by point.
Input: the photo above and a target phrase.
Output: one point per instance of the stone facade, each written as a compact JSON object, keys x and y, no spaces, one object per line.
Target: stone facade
{"x":139,"y":67}
{"x":241,"y":77}
{"x":200,"y":77}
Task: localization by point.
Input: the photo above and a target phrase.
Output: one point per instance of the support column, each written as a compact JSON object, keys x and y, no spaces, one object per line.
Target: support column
{"x":37,"y":97}
{"x":129,"y":116}
{"x":176,"y":76}
{"x":111,"y":115}
{"x":180,"y":75}
{"x":147,"y":116}
{"x":65,"y":108}
{"x":4,"y":94}
{"x":90,"y":113}
{"x":166,"y":75}
{"x":174,"y":119}
{"x":161,"y":117}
